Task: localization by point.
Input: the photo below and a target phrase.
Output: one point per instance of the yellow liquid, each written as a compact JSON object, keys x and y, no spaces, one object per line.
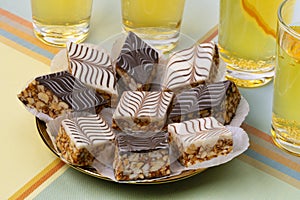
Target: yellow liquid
{"x":247,"y":33}
{"x":286,"y":103}
{"x":155,"y":20}
{"x":58,"y":21}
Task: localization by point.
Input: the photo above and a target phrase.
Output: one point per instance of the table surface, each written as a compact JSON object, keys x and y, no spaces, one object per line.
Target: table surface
{"x":30,"y":170}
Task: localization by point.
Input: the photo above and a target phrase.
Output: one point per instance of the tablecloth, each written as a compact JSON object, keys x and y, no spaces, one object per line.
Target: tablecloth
{"x":29,"y":169}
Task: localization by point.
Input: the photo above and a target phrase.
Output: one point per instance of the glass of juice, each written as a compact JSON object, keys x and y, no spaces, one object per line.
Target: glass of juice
{"x":56,"y":22}
{"x":155,"y":21}
{"x":286,"y":100}
{"x":247,"y":38}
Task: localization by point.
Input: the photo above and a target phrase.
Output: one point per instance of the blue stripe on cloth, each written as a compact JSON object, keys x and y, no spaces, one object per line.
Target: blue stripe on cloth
{"x":282,"y":168}
{"x":26,"y":44}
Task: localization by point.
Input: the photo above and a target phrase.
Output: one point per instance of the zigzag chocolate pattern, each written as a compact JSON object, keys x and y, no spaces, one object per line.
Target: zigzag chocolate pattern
{"x":205,"y":135}
{"x":141,"y":103}
{"x":89,"y":130}
{"x":200,"y":98}
{"x":91,"y":66}
{"x":198,"y":129}
{"x":87,"y":55}
{"x":71,"y":90}
{"x":189,"y":66}
{"x":129,"y":143}
{"x":137,"y":58}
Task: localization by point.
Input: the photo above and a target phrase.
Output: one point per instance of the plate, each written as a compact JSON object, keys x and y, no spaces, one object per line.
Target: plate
{"x":110,"y":45}
{"x":41,"y":127}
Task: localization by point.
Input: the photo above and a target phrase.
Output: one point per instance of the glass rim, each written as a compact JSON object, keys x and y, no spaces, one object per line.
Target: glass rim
{"x":282,"y":22}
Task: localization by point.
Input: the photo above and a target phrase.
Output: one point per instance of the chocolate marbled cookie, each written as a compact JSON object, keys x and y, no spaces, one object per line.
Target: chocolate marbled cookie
{"x":141,"y":111}
{"x":136,"y":64}
{"x":190,"y":67}
{"x":93,"y":67}
{"x":200,"y":139}
{"x":138,"y":158}
{"x":81,"y":139}
{"x":57,"y":93}
{"x":219,"y":100}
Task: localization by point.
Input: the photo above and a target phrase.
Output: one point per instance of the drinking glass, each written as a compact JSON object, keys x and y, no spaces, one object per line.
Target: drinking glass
{"x":155,"y":21}
{"x":247,"y":34}
{"x":286,"y":99}
{"x":55,"y":22}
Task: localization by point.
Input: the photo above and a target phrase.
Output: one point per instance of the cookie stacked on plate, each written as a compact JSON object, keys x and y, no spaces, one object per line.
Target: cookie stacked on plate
{"x":188,"y":107}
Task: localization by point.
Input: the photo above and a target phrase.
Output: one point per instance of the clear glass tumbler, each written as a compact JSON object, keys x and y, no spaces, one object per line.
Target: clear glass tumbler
{"x":157,"y":22}
{"x":286,"y":99}
{"x":247,"y":38}
{"x":55,"y":22}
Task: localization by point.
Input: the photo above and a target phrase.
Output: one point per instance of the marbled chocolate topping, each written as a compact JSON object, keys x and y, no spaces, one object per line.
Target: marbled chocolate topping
{"x":198,"y":129}
{"x":129,"y":143}
{"x":189,"y":66}
{"x":141,"y":103}
{"x":71,"y":90}
{"x":89,"y":130}
{"x":137,"y":58}
{"x":199,"y":98}
{"x":91,"y":66}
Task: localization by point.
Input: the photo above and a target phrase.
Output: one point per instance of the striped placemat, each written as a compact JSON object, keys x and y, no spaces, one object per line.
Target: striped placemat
{"x":262,"y":154}
{"x":17,"y":33}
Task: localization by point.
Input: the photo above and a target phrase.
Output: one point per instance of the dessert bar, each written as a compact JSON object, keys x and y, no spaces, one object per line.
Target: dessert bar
{"x":219,"y":100}
{"x":57,"y":93}
{"x":190,"y":67}
{"x":141,"y":157}
{"x":136,"y":64}
{"x":142,"y":111}
{"x":81,"y":139}
{"x":93,"y":67}
{"x":200,"y":139}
